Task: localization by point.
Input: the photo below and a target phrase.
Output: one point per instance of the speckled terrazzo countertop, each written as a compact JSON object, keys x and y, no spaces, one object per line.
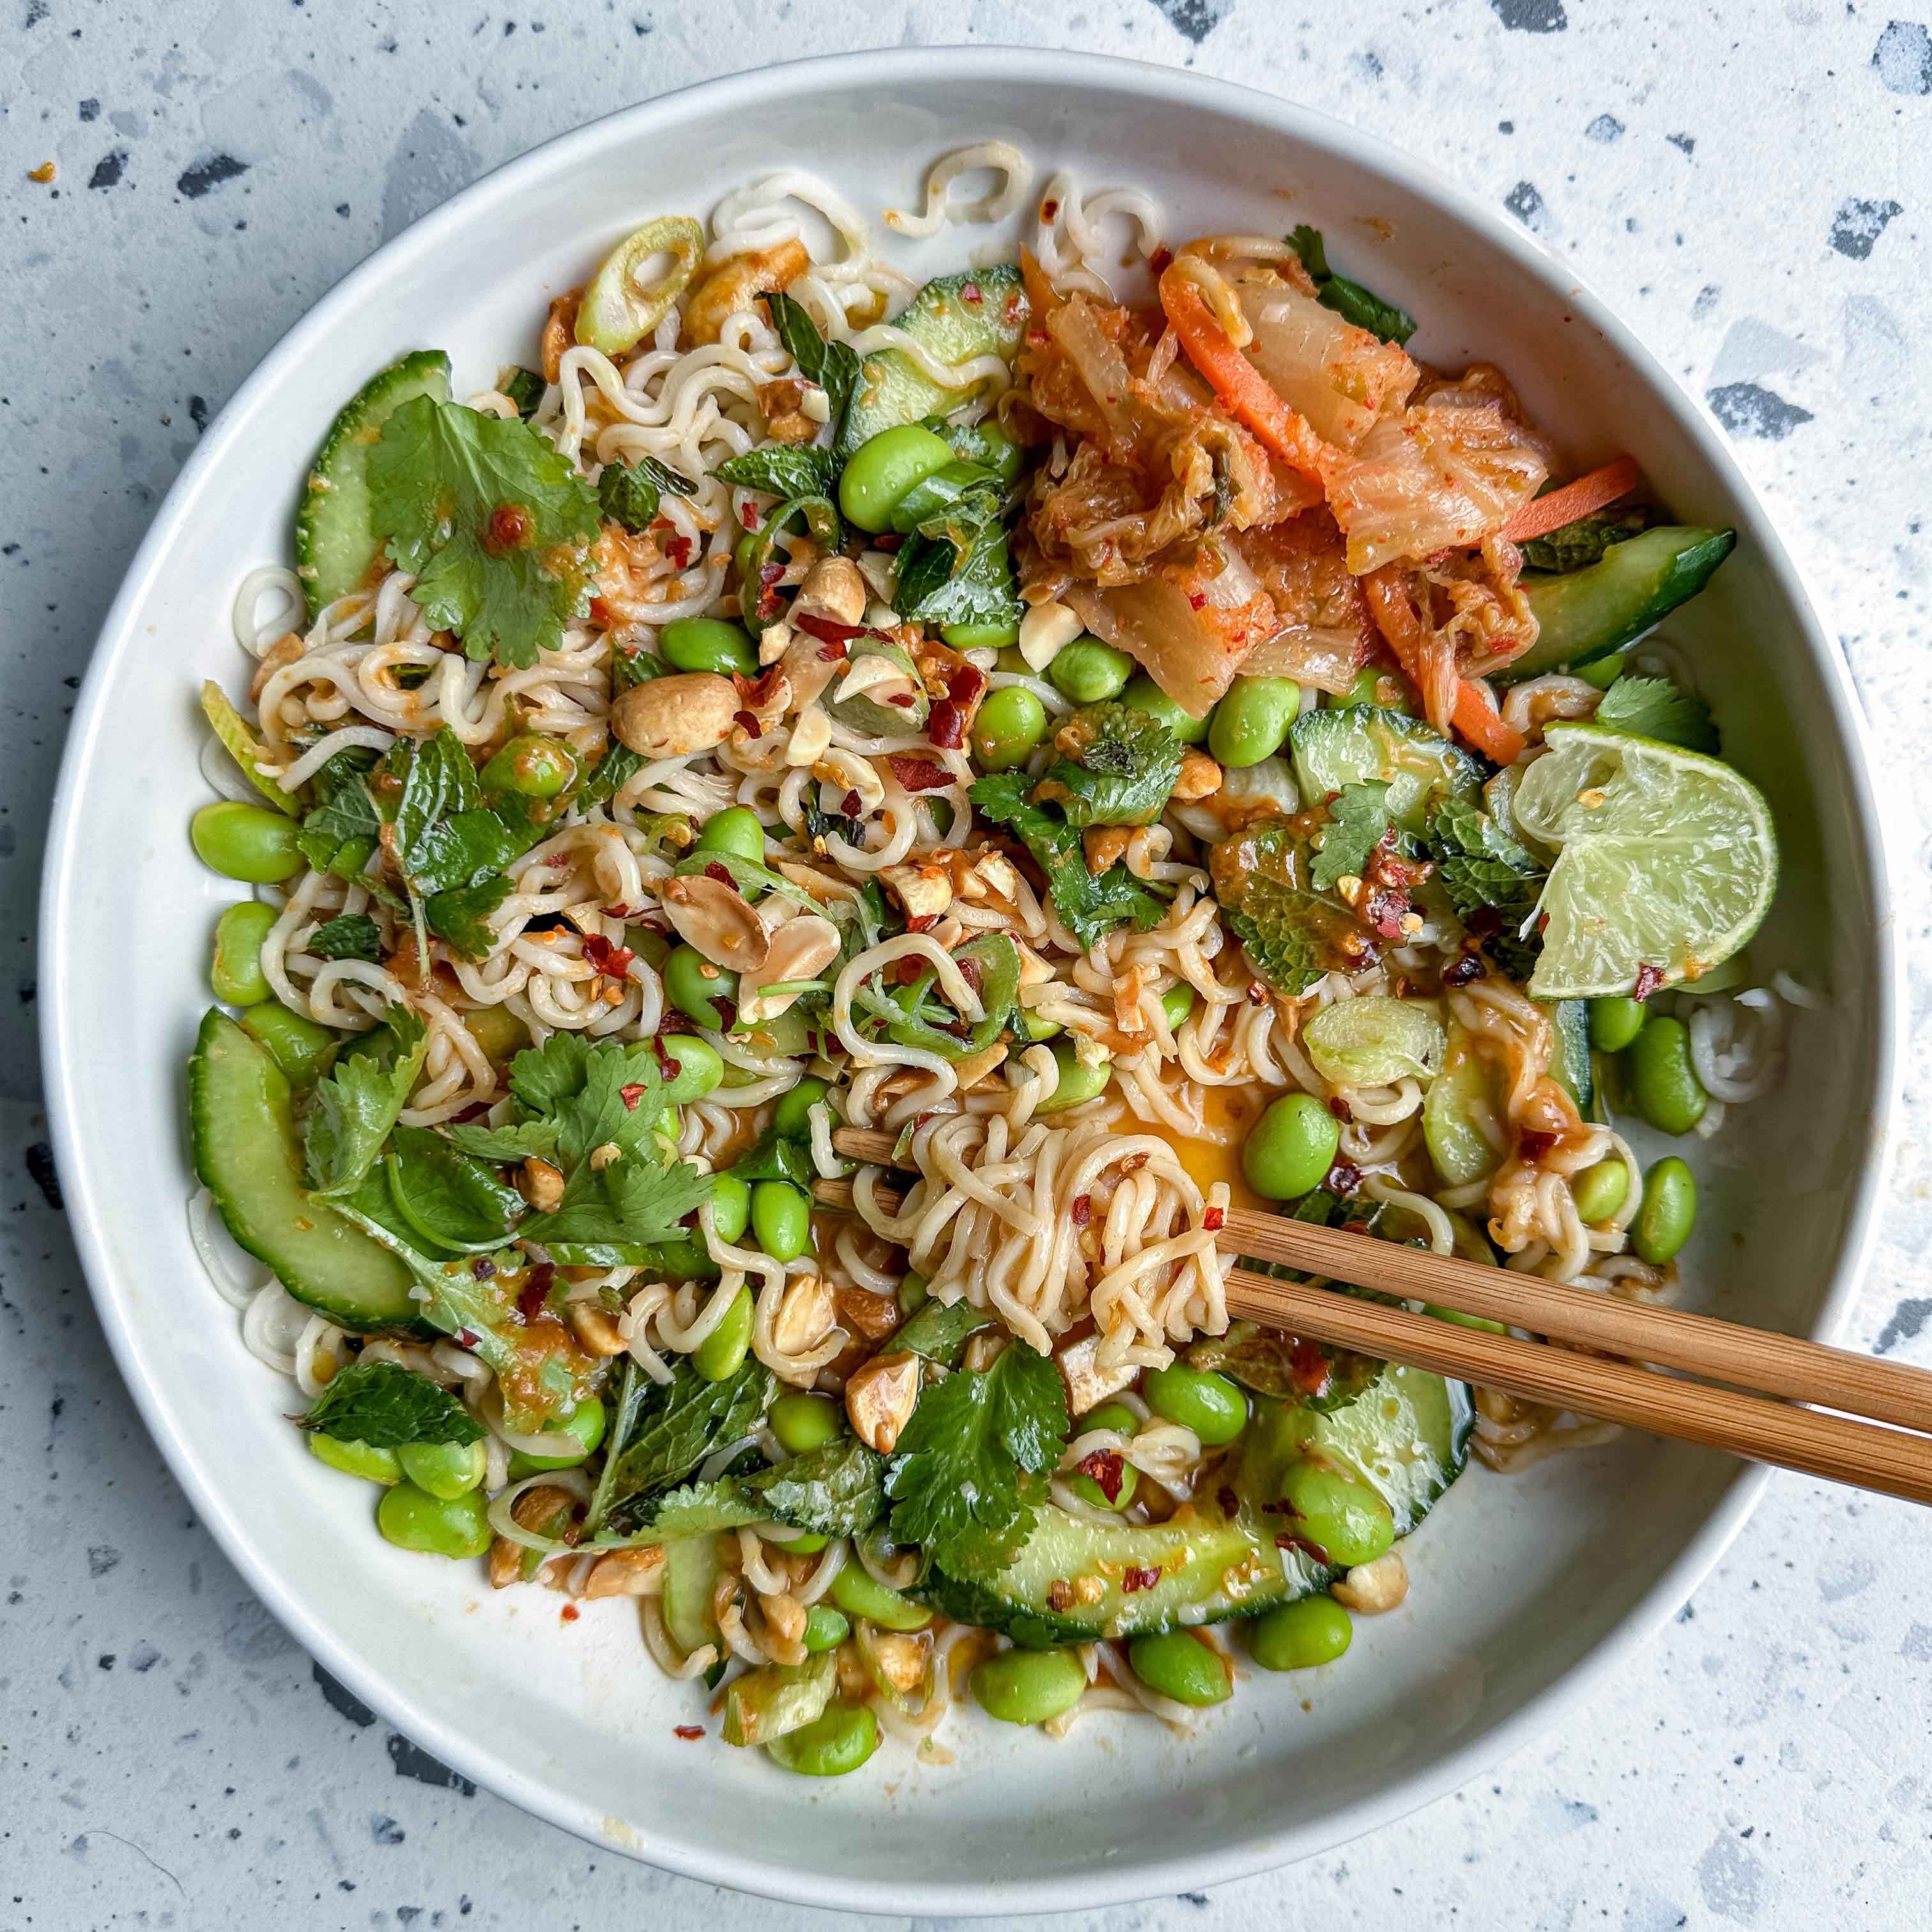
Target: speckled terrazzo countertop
{"x":1747,"y":183}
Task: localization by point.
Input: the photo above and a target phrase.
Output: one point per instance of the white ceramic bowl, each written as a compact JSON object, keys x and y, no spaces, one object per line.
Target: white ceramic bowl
{"x":1526,"y":1591}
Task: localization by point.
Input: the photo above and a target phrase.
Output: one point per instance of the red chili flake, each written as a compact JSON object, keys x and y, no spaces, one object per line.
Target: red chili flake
{"x":632,"y":1094}
{"x":535,"y":1292}
{"x":1048,"y":208}
{"x":918,"y":774}
{"x":1286,"y":1539}
{"x":905,"y":970}
{"x":1226,"y":1497}
{"x":1197,"y":600}
{"x":920,"y":921}
{"x":1385,"y":912}
{"x":753,"y":729}
{"x":1309,"y":1366}
{"x":1213,"y":1220}
{"x":969,"y":291}
{"x":482,"y":1268}
{"x":1344,"y":1178}
{"x":890,"y":542}
{"x":468,"y":1337}
{"x":970,"y":970}
{"x":716,"y":868}
{"x":1531,"y":1145}
{"x":1340,"y":1108}
{"x":613,"y":961}
{"x":679,"y":551}
{"x":1082,"y":1211}
{"x":1108,"y":1468}
{"x":508,"y":529}
{"x":1160,"y":260}
{"x":946,"y":727}
{"x":770,"y":602}
{"x":691,"y":1733}
{"x":600,"y":614}
{"x":1465,"y":967}
{"x":748,"y":516}
{"x":965,"y":684}
{"x":850,"y":804}
{"x":570,"y":1613}
{"x":903,"y":699}
{"x":1648,"y":978}
{"x":831,"y":631}
{"x":1139,"y":1578}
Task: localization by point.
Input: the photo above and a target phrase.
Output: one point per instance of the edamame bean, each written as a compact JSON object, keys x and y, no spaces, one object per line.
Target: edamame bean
{"x":994,"y":634}
{"x":700,"y":1067}
{"x":1666,"y":1213}
{"x":730,"y":1207}
{"x":247,"y":841}
{"x":722,"y":1352}
{"x":781,"y":1220}
{"x":1078,"y":1081}
{"x":792,"y":1116}
{"x":1028,"y":1687}
{"x":1292,"y":1148}
{"x":1009,"y":724}
{"x":803,"y":1422}
{"x":1177,"y":1003}
{"x":300,"y":1047}
{"x":737,"y":830}
{"x":830,"y":1746}
{"x":998,"y":451}
{"x":585,"y":1423}
{"x":802,"y":1543}
{"x":1087,"y":670}
{"x":1664,"y":1084}
{"x":1114,"y":1415}
{"x":1091,"y":1489}
{"x":1373,"y":685}
{"x":1599,"y":1191}
{"x":1032,"y":1029}
{"x":913,"y":1292}
{"x":1178,"y":1665}
{"x":694,"y":986}
{"x":498,"y":1031}
{"x":532,"y":766}
{"x":825,"y":1628}
{"x":454,"y":1526}
{"x":709,"y":643}
{"x":1350,"y":1522}
{"x":1143,"y":695}
{"x":1615,"y":1022}
{"x":856,"y":1592}
{"x":1250,"y":722}
{"x":1211,"y":1406}
{"x":235,"y":973}
{"x":444,"y":1469}
{"x":1298,"y":1636}
{"x":883,"y":468}
{"x":1603,"y":672}
{"x":356,"y":1458}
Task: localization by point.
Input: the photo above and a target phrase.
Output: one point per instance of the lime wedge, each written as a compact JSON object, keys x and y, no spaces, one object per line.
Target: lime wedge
{"x":1665,"y":859}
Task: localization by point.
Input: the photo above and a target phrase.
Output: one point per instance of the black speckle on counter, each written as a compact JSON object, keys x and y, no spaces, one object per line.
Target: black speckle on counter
{"x":340,"y":1699}
{"x":1902,"y":58}
{"x":101,"y":1558}
{"x":1858,"y":225}
{"x":109,"y":169}
{"x":1530,"y":16}
{"x":90,"y":110}
{"x":40,"y":1168}
{"x":205,"y":176}
{"x":1526,"y":204}
{"x":1606,"y":128}
{"x":1907,"y":1320}
{"x":412,"y":1761}
{"x":197,"y":411}
{"x":1688,"y":143}
{"x":385,"y":1830}
{"x":1747,"y":409}
{"x":1195,"y":19}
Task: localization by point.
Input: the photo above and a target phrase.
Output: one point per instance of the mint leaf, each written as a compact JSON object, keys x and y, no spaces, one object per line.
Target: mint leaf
{"x":448,"y":1196}
{"x":1358,"y":817}
{"x":838,"y":1490}
{"x":833,"y":366}
{"x":339,"y":834}
{"x":939,"y":1330}
{"x":938,"y":584}
{"x":675,"y":1426}
{"x":491,"y":519}
{"x":1492,"y":881}
{"x":1117,"y":767}
{"x":351,"y":1110}
{"x":971,"y":1468}
{"x":1293,"y":932}
{"x":461,"y":917}
{"x":1573,"y":546}
{"x":1349,"y":300}
{"x":388,"y":1407}
{"x":629,"y":494}
{"x":354,"y":935}
{"x":697,"y":1509}
{"x":1654,"y":707}
{"x":783,"y":469}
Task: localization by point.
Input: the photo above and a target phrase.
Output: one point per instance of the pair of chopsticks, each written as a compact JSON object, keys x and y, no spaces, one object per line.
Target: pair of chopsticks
{"x":1747,"y":1401}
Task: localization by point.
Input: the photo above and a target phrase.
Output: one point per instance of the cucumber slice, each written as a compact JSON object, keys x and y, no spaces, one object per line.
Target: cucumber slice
{"x":1407,"y":1433}
{"x":242,"y":1130}
{"x":1570,"y":1051}
{"x":691,"y":1569}
{"x":1586,"y":614}
{"x":1459,"y":1149}
{"x":335,"y":529}
{"x":1358,"y":743}
{"x":952,"y":319}
{"x":873,"y":716}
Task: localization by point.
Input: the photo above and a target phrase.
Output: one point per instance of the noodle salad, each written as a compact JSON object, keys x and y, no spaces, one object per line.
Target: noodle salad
{"x":1131,"y":755}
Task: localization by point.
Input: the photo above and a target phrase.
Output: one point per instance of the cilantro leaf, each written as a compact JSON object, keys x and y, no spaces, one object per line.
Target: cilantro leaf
{"x":672,"y":1427}
{"x":838,"y":1490}
{"x":492,"y":520}
{"x":517,"y":1142}
{"x":351,"y":1111}
{"x":939,"y":1330}
{"x":1574,"y":545}
{"x":833,"y":366}
{"x":971,"y":1468}
{"x":938,"y":584}
{"x":629,"y":494}
{"x":448,"y":1196}
{"x":1294,"y":933}
{"x":633,"y":1202}
{"x":1118,"y":765}
{"x":782,"y":469}
{"x":1349,"y":300}
{"x":1358,"y":817}
{"x":1492,"y":881}
{"x":389,"y":1407}
{"x":1089,"y":906}
{"x":461,"y":916}
{"x":696,"y":1509}
{"x":1654,"y":707}
{"x":524,"y":387}
{"x":354,"y":935}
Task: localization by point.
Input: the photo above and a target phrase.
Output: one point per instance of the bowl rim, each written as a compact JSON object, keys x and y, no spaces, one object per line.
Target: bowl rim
{"x":719,"y":1864}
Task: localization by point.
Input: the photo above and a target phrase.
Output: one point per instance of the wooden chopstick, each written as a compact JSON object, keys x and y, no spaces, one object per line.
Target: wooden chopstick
{"x":1739,"y":1419}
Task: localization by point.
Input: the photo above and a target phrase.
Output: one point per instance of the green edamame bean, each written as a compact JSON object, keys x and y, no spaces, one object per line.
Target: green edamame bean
{"x":1008,"y":725}
{"x":1028,"y":1687}
{"x":1114,"y":1415}
{"x":792,"y":1116}
{"x":1298,"y":1636}
{"x":801,"y":1543}
{"x":830,"y":1746}
{"x":722,"y":1352}
{"x":454,"y":1526}
{"x":356,"y":1458}
{"x":803,"y":1422}
{"x":883,"y":468}
{"x":1603,"y":672}
{"x":302,"y":1047}
{"x":1599,"y":1191}
{"x":445,"y":1469}
{"x":825,"y":1628}
{"x":235,"y":972}
{"x":532,"y":766}
{"x":1143,"y":695}
{"x":1338,"y":1512}
{"x":737,"y":830}
{"x":1667,"y":1212}
{"x":730,"y":1207}
{"x":781,"y":1220}
{"x":1178,"y":1665}
{"x":694,"y":986}
{"x":856,"y":1592}
{"x":1033,"y":1030}
{"x":1211,"y":1406}
{"x":708,"y":644}
{"x":1375,"y":686}
{"x":1088,"y":671}
{"x":247,"y":841}
{"x":1089,"y":1488}
{"x":1251,"y":721}
{"x":1614,"y":1023}
{"x":700,"y":1067}
{"x":1292,"y":1148}
{"x":1078,"y":1081}
{"x":586,"y":1422}
{"x":1177,"y":1002}
{"x":1663,"y":1085}
{"x":913,"y":1292}
{"x":993,"y":635}
{"x":998,"y":451}
{"x":498,"y":1031}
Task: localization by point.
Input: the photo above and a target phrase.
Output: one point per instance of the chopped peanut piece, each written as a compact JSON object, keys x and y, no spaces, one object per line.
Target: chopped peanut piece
{"x":880,"y":1396}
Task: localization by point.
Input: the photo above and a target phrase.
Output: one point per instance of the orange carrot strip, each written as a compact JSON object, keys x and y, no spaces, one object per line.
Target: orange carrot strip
{"x":1475,"y":715}
{"x":1594,"y":491}
{"x":1239,"y":384}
